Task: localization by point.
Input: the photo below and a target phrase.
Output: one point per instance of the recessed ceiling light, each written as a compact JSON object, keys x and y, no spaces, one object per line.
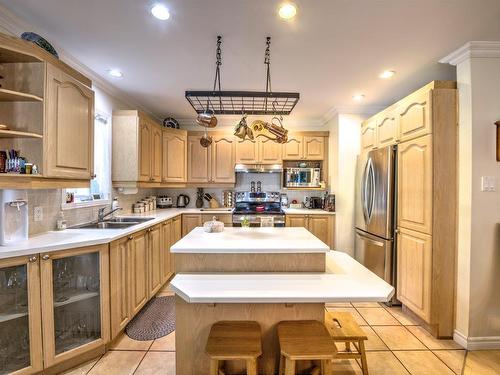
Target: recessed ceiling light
{"x":160,"y":11}
{"x":358,"y":97}
{"x":287,"y":11}
{"x":115,"y":73}
{"x":387,"y":74}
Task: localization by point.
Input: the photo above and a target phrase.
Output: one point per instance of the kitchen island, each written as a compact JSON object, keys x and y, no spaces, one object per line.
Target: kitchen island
{"x":261,"y":274}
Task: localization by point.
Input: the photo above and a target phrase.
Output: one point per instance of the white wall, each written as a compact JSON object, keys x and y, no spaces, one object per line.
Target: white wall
{"x":344,"y":149}
{"x":478,"y":276}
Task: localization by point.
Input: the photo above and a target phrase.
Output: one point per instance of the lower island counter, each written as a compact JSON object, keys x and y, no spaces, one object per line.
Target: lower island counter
{"x":261,"y":274}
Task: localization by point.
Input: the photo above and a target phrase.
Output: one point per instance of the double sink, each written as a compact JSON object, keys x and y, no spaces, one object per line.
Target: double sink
{"x":115,"y":223}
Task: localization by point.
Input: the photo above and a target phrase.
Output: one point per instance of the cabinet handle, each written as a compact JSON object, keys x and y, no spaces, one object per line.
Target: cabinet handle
{"x":46,"y":257}
{"x":130,"y":238}
{"x":32,"y":259}
{"x":149,"y":230}
{"x":396,"y":231}
{"x":92,"y":176}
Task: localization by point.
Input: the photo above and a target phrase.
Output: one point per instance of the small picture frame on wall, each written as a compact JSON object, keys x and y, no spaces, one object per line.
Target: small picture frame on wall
{"x":498,"y":139}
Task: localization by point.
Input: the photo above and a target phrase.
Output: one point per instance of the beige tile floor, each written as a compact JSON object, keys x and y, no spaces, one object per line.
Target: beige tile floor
{"x":396,"y":346}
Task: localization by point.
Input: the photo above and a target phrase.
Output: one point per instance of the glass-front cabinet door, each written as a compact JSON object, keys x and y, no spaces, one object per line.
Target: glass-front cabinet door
{"x":75,"y":310}
{"x":20,"y":323}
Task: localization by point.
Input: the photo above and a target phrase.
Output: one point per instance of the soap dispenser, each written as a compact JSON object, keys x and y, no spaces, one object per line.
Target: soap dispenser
{"x":13,"y":216}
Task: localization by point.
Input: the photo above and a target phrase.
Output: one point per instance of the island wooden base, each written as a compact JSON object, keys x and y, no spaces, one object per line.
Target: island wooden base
{"x":193,"y":322}
{"x":250,"y":262}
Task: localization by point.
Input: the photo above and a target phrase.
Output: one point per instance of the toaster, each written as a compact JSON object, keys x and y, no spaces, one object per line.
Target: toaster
{"x":164,"y":202}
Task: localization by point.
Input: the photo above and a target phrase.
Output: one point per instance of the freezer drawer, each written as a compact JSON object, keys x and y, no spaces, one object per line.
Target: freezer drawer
{"x":376,"y":254}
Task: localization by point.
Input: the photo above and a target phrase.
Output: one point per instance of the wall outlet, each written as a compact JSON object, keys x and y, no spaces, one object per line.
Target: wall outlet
{"x":38,"y":213}
{"x":488,"y":183}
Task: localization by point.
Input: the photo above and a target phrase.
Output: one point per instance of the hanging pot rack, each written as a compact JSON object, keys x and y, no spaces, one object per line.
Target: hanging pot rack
{"x":243,"y":102}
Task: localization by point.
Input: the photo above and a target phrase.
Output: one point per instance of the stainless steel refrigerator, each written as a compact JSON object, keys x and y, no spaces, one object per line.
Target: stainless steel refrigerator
{"x":375,"y":245}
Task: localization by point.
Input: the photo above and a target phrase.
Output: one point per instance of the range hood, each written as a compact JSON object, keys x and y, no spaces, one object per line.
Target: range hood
{"x":258,"y":168}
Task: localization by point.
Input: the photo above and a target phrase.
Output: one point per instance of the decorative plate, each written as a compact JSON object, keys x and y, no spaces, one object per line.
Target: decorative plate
{"x":170,"y":122}
{"x":40,"y":42}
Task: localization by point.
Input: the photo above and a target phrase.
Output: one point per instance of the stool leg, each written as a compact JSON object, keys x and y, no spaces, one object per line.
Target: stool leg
{"x":362,"y":351}
{"x":289,"y":367}
{"x":347,"y":346}
{"x":214,"y":367}
{"x":251,"y":366}
{"x":282,"y":363}
{"x":326,"y":367}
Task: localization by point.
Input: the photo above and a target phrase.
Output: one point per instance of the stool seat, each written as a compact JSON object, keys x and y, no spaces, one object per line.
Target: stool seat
{"x":234,"y":340}
{"x":342,"y":326}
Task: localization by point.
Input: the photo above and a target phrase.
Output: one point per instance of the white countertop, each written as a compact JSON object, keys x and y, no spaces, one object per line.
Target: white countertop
{"x":349,"y":282}
{"x":250,"y":240}
{"x":306,"y":211}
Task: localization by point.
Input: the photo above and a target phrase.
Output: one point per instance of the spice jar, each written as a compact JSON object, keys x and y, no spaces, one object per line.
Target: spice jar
{"x":3,"y":160}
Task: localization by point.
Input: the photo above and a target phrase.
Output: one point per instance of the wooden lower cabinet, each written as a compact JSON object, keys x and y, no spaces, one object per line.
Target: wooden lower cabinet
{"x":74,"y":302}
{"x":176,"y":236}
{"x":415,"y":271}
{"x":138,"y":271}
{"x":155,"y":268}
{"x":166,"y":242}
{"x":227,"y":219}
{"x":189,"y":222}
{"x":322,"y":226}
{"x":21,"y":332}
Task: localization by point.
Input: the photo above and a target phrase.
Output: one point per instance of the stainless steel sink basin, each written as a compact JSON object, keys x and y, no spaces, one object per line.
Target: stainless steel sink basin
{"x":106,"y":225}
{"x":129,"y":220}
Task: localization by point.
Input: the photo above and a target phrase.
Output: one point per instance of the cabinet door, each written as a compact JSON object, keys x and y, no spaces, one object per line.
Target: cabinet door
{"x":415,"y":184}
{"x":415,"y":271}
{"x":198,"y":161}
{"x":144,"y":150}
{"x":138,"y":271}
{"x":75,"y":302}
{"x":414,"y":117}
{"x":314,"y":148}
{"x":227,"y":219}
{"x":270,"y":152}
{"x":387,"y":130}
{"x":69,"y":127}
{"x":296,"y":221}
{"x":176,"y":236}
{"x":20,"y":318}
{"x":223,"y":160}
{"x":156,"y":153}
{"x":321,"y":226}
{"x":189,"y":222}
{"x":293,"y":149}
{"x":247,"y":152}
{"x":154,"y":259}
{"x":119,"y":285}
{"x":174,"y":157}
{"x":369,"y":136}
{"x":166,"y":241}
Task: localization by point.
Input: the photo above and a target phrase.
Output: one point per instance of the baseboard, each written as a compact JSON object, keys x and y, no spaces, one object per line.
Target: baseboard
{"x":476,"y":343}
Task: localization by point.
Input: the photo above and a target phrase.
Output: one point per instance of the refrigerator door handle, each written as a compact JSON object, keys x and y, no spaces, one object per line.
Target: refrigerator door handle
{"x":369,"y":238}
{"x":372,"y":190}
{"x":363,"y":193}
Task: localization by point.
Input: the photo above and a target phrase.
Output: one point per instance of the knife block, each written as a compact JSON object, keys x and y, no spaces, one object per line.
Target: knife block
{"x":213,"y":203}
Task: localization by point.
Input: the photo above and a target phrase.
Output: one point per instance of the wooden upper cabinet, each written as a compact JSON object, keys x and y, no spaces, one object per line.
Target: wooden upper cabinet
{"x":387,"y":130}
{"x":69,"y":127}
{"x":314,"y":148}
{"x":156,"y":153}
{"x":270,"y":152}
{"x":414,"y":268}
{"x":415,"y":178}
{"x":223,"y":160}
{"x":247,"y":152}
{"x":414,"y":117}
{"x":144,"y":150}
{"x":369,"y":136}
{"x":293,"y":149}
{"x":174,"y":163}
{"x":198,"y":160}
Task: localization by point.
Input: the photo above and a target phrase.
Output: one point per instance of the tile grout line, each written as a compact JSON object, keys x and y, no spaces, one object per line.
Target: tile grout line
{"x":142,"y":359}
{"x":444,"y":363}
{"x":91,"y":367}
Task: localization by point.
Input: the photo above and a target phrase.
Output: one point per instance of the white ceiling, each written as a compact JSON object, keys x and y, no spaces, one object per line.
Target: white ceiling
{"x":332,"y":50}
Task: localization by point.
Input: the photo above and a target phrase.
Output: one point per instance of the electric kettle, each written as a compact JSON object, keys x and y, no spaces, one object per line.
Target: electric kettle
{"x":183,"y":200}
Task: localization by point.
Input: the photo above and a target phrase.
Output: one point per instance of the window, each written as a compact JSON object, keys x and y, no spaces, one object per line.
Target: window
{"x":100,"y":186}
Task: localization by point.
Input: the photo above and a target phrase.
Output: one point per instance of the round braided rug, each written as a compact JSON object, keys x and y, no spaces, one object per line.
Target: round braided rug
{"x":155,"y":320}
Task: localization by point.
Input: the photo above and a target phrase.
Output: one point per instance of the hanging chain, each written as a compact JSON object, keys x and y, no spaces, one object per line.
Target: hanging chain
{"x":218,"y":63}
{"x":267,"y":61}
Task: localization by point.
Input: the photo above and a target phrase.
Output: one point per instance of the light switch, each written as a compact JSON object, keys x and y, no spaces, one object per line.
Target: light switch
{"x":488,"y":183}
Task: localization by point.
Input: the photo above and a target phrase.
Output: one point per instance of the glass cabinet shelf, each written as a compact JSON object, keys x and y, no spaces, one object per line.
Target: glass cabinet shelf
{"x":76,"y":297}
{"x":5,"y":317}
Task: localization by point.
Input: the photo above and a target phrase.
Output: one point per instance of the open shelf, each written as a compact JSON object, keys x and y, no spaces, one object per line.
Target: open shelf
{"x":11,"y":56}
{"x":17,"y":96}
{"x":77,"y":296}
{"x":4,"y":133}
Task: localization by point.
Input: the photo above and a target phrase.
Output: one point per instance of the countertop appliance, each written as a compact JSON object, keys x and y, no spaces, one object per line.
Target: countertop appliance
{"x":182,"y":200}
{"x":164,"y":201}
{"x":13,"y":216}
{"x":256,"y":205}
{"x":316,"y":202}
{"x":375,"y":245}
{"x":302,"y":177}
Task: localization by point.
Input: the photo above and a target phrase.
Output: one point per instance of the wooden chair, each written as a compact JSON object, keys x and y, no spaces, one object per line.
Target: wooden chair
{"x":305,"y":340}
{"x":343,"y":328}
{"x":234,"y":340}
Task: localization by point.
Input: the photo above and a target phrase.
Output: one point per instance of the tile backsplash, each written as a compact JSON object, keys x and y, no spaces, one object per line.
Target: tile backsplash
{"x":50,"y":200}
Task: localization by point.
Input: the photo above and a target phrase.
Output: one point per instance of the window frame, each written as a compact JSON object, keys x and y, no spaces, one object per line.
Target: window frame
{"x":98,"y":202}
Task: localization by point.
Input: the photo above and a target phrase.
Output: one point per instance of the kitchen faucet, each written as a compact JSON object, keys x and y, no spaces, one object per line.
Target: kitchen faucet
{"x":101,"y":213}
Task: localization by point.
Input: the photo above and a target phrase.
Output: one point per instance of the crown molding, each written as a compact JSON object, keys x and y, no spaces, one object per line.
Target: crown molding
{"x":472,"y":49}
{"x":362,"y":110}
{"x":11,"y":23}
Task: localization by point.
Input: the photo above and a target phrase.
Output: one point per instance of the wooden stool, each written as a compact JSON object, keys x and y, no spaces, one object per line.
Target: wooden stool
{"x":234,"y":340}
{"x":343,"y":328}
{"x":305,"y":340}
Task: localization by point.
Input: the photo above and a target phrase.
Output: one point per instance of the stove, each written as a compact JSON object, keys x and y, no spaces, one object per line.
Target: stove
{"x":256,"y":205}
